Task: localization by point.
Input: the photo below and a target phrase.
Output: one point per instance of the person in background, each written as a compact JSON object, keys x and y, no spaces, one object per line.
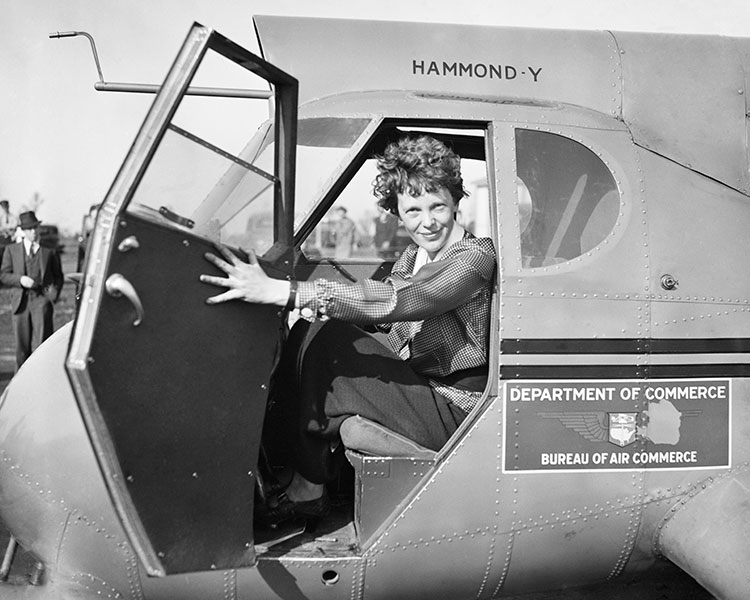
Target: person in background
{"x":35,"y":275}
{"x":89,"y":220}
{"x":435,"y":306}
{"x":385,"y":226}
{"x":344,"y":233}
{"x":8,"y":225}
{"x":8,"y":221}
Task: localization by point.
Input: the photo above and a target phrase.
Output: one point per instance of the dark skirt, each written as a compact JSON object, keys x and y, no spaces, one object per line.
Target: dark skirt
{"x":332,"y":370}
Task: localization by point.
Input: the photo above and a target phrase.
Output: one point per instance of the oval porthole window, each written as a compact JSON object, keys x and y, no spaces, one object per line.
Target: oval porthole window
{"x":568,"y":200}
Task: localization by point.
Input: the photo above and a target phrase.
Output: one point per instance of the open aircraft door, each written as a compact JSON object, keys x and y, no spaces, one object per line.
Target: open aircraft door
{"x":173,"y":391}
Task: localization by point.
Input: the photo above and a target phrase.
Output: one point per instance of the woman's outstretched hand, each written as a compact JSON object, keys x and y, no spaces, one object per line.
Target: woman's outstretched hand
{"x":245,"y":280}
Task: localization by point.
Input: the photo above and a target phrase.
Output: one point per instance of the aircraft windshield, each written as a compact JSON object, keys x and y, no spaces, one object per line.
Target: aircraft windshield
{"x":322,"y":145}
{"x":194,"y":184}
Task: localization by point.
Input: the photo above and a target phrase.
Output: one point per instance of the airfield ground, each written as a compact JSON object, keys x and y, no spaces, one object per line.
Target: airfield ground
{"x":674,"y":585}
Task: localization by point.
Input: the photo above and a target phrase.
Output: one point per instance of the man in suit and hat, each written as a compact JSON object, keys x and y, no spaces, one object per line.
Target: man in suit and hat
{"x":35,"y":274}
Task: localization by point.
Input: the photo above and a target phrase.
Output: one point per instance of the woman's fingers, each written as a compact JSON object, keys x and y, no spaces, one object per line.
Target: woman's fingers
{"x":222,"y":264}
{"x":243,"y":279}
{"x":225,"y":252}
{"x":222,"y":281}
{"x":231,"y":257}
{"x":225,"y":297}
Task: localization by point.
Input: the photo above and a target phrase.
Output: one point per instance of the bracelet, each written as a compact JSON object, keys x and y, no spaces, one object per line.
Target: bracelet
{"x":291,"y":303}
{"x":323,"y":296}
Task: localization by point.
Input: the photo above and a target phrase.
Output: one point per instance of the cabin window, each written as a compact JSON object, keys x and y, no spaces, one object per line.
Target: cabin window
{"x":568,"y":200}
{"x":355,"y":228}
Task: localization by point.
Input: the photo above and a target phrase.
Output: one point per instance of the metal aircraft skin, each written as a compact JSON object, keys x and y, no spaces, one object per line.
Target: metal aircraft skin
{"x":613,"y":435}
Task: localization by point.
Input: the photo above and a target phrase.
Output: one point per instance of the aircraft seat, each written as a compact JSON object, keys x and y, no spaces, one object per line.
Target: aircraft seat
{"x":365,"y":436}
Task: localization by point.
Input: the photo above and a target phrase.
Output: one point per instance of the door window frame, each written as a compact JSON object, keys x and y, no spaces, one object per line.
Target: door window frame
{"x":199,"y":40}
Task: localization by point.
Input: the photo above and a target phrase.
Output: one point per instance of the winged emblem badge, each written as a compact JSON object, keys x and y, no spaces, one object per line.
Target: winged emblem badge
{"x":621,"y":428}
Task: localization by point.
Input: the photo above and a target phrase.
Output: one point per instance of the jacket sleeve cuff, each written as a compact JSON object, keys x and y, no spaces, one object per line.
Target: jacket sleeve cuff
{"x":313,"y":300}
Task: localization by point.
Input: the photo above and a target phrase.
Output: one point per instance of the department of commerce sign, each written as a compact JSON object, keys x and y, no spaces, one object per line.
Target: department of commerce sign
{"x":616,"y":425}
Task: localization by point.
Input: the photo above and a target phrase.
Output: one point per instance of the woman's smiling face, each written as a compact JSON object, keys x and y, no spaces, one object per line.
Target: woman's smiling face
{"x":428,"y":218}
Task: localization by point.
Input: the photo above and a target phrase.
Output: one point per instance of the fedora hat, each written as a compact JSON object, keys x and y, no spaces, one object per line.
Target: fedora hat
{"x":28,"y":220}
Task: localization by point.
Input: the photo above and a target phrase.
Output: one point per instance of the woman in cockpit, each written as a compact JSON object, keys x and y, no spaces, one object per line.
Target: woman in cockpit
{"x":434,"y":306}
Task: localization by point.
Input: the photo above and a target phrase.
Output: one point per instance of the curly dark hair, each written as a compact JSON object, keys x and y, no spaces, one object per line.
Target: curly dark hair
{"x":417,"y":165}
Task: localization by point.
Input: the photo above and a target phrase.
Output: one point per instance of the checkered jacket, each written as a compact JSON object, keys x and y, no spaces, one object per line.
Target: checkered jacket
{"x":436,"y":319}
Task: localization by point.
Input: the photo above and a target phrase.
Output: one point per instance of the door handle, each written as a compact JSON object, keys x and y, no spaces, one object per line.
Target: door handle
{"x":117,"y":286}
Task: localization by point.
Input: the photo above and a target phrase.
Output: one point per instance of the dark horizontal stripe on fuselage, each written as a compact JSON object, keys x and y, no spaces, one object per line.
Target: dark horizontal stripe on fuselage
{"x":626,"y":346}
{"x":510,"y":372}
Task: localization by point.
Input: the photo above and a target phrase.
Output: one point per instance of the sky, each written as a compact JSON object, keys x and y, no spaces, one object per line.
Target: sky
{"x":62,"y":142}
